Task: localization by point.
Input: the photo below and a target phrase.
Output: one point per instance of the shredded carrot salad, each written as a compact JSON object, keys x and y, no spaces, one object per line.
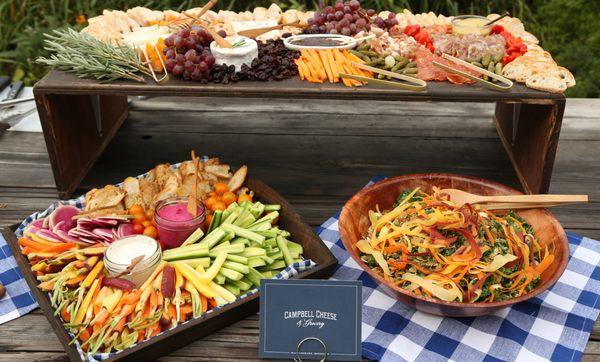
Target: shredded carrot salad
{"x":432,"y":247}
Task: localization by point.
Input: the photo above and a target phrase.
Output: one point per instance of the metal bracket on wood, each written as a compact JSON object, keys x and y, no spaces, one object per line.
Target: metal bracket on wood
{"x":97,"y":115}
{"x":515,"y":122}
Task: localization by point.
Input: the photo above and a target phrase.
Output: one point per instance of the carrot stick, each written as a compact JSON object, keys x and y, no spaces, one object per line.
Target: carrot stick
{"x":213,"y":303}
{"x":75,"y":281}
{"x":32,"y":244}
{"x":204,"y":302}
{"x":325,"y":61}
{"x":186,"y":309}
{"x":92,"y":274}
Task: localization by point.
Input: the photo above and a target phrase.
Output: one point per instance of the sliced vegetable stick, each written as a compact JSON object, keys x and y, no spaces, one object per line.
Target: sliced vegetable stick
{"x":323,"y":57}
{"x":158,"y":269}
{"x":92,"y":274}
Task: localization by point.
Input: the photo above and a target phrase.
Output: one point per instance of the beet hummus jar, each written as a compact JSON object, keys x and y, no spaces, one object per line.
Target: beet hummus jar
{"x":175,"y":223}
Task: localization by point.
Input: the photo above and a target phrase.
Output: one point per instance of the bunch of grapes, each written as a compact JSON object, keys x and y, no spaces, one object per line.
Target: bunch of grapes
{"x":346,"y":18}
{"x":188,"y":54}
{"x":386,"y":24}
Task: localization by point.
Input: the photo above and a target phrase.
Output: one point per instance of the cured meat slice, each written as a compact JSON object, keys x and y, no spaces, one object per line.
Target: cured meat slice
{"x":428,"y":71}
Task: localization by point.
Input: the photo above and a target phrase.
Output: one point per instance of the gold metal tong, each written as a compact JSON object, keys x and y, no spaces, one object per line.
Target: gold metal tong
{"x":417,"y":84}
{"x":507,"y":82}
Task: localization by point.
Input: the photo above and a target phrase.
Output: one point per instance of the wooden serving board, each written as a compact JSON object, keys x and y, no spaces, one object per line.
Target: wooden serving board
{"x":170,"y":340}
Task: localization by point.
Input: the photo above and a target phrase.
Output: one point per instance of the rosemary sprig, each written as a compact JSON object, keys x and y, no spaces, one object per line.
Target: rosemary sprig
{"x":89,"y":57}
{"x":239,"y":43}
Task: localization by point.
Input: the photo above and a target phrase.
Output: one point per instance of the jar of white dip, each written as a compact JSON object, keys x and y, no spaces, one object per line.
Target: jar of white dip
{"x":119,"y":254}
{"x":245,"y":51}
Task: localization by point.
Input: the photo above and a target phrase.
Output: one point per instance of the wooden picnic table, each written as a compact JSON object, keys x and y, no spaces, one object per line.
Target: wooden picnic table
{"x":315,"y":153}
{"x":80,"y":117}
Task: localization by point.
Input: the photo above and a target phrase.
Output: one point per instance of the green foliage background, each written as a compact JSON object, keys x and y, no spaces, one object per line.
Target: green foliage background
{"x":569,"y":29}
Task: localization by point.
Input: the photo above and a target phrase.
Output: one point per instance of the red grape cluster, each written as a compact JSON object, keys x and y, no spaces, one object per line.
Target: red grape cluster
{"x":188,"y":54}
{"x":346,"y":18}
{"x":388,"y":23}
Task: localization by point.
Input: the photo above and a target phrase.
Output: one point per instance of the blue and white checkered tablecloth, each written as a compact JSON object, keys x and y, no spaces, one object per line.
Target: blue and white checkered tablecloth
{"x":555,"y":325}
{"x":18,"y":299}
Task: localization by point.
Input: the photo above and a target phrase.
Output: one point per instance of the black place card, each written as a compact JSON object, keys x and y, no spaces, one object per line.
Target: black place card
{"x":293,"y":311}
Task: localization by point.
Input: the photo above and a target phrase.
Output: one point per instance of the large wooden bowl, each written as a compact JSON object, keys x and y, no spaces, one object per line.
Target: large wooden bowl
{"x":354,"y":222}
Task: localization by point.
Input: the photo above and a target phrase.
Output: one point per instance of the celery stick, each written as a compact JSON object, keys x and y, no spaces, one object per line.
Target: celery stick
{"x":257,"y":209}
{"x":243,"y":284}
{"x":243,"y":241}
{"x":267,"y":274}
{"x":213,"y":238}
{"x":224,"y":293}
{"x":236,"y":266}
{"x":214,"y":268}
{"x":254,"y":276}
{"x":268,"y":233}
{"x":231,"y":274}
{"x":231,"y":249}
{"x":275,"y":255}
{"x":283,"y":246}
{"x":276,"y":271}
{"x":216,"y":220}
{"x":252,"y":251}
{"x":276,"y":265}
{"x":205,"y":262}
{"x":270,"y":242}
{"x":186,"y":255}
{"x":295,"y":247}
{"x":267,"y":259}
{"x":232,"y":288}
{"x":195,"y":236}
{"x":263,"y":226}
{"x":220,"y":279}
{"x":247,"y":221}
{"x":237,"y":259}
{"x":246,"y":204}
{"x":234,"y":215}
{"x":245,"y":233}
{"x":267,"y":218}
{"x":184,"y":249}
{"x":272,"y":207}
{"x":256,"y":262}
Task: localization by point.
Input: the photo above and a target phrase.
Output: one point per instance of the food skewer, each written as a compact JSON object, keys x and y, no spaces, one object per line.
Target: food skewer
{"x":508,"y":83}
{"x":192,"y":206}
{"x":223,"y":43}
{"x":506,"y":13}
{"x":417,"y":84}
{"x":253,"y":33}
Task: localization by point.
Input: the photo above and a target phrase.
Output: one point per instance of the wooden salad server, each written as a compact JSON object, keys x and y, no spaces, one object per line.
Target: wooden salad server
{"x":460,"y":197}
{"x":507,"y":83}
{"x":253,"y":33}
{"x":416,"y":84}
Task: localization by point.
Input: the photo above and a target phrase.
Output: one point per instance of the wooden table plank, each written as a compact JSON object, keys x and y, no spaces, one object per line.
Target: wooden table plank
{"x":58,"y":82}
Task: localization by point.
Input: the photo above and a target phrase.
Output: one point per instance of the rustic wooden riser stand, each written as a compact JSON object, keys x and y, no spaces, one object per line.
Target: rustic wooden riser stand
{"x":80,"y":116}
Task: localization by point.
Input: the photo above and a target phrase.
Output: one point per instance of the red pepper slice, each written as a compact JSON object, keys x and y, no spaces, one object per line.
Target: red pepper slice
{"x":497,"y":29}
{"x":411,"y":30}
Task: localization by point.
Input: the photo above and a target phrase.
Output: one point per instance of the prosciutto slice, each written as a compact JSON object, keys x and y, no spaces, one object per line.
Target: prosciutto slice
{"x":428,"y":71}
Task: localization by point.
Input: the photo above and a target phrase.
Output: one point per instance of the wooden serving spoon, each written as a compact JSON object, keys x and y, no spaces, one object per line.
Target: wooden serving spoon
{"x":192,"y":206}
{"x":253,"y":33}
{"x":460,"y":198}
{"x":132,"y":265}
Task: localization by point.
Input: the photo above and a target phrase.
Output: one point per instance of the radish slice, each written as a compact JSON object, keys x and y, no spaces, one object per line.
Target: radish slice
{"x":68,"y":238}
{"x":49,"y":235}
{"x":63,"y":213}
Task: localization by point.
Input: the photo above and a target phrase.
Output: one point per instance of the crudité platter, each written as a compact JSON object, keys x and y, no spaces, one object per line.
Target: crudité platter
{"x":162,"y":259}
{"x":337,"y":43}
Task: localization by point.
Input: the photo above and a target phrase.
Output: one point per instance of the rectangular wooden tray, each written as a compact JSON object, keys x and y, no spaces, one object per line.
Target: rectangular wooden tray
{"x":314,"y":249}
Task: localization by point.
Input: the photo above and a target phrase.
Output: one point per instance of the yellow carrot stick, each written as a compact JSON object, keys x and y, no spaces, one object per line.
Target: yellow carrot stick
{"x":92,"y":274}
{"x":194,"y":277}
{"x":158,"y":269}
{"x":86,"y":302}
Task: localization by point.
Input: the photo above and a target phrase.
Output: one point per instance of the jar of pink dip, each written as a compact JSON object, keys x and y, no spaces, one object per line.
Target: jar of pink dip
{"x":174,"y":222}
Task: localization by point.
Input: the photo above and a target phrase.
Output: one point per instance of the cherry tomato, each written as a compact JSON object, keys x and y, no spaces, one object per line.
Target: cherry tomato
{"x":151,"y":232}
{"x":138,"y":218}
{"x":210,"y":201}
{"x":221,"y":188}
{"x":136,"y":209}
{"x":244,"y":197}
{"x":208,"y":220}
{"x":146,"y":223}
{"x":219,"y":205}
{"x":138,"y":228}
{"x":150,"y":214}
{"x":229,"y":198}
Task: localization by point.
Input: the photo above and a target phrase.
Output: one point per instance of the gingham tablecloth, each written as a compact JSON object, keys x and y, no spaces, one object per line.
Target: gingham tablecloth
{"x":18,"y":299}
{"x":555,"y":325}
